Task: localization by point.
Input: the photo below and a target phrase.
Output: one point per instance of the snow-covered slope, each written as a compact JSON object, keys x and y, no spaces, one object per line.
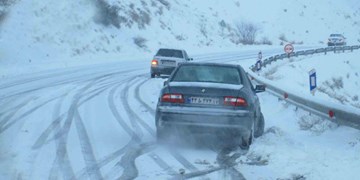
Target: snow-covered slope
{"x":84,"y":30}
{"x":338,"y":76}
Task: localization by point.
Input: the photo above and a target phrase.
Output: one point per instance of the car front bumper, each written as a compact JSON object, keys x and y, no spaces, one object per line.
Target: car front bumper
{"x":206,"y":120}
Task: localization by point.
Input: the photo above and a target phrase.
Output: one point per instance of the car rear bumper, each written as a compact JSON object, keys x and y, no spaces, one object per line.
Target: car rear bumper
{"x":162,"y":70}
{"x":206,"y":120}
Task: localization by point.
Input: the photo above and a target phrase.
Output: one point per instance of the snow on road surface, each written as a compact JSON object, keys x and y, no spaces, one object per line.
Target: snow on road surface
{"x":98,"y":123}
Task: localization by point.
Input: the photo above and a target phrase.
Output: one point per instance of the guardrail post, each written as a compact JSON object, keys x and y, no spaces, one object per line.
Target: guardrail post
{"x":331,"y":114}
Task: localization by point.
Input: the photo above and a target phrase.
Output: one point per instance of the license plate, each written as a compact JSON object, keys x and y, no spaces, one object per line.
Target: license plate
{"x":168,"y":63}
{"x":203,"y":100}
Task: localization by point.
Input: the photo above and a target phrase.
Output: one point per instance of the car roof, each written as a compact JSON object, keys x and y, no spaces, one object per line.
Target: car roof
{"x":170,"y":49}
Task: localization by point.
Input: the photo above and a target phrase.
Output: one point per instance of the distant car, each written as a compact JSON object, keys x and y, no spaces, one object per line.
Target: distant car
{"x":210,"y":98}
{"x":336,"y":40}
{"x":165,"y":61}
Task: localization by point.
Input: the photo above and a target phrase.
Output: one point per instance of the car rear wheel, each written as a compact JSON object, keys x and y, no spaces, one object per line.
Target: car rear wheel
{"x":246,"y":141}
{"x":260,"y":126}
{"x":152,"y":75}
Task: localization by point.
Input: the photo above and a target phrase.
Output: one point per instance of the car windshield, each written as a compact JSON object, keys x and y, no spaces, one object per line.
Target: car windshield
{"x":207,"y":73}
{"x":170,"y":53}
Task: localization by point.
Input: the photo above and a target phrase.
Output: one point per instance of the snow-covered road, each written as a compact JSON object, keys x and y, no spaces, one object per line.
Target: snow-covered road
{"x":97,"y":122}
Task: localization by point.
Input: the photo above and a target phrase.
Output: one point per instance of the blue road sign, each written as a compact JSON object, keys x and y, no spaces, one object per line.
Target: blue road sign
{"x":312,"y":80}
{"x":258,"y":65}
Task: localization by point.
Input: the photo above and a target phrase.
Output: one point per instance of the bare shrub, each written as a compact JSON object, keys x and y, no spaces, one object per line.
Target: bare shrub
{"x":265,"y":40}
{"x":315,"y":124}
{"x":355,"y":98}
{"x":4,"y":6}
{"x":203,"y":30}
{"x":108,"y":15}
{"x":338,"y":83}
{"x":142,"y":18}
{"x":6,"y":3}
{"x":2,"y":16}
{"x":222,"y":24}
{"x":140,"y":42}
{"x":247,"y":32}
{"x":325,"y":89}
{"x":283,"y":38}
{"x":180,"y":37}
{"x":165,"y":3}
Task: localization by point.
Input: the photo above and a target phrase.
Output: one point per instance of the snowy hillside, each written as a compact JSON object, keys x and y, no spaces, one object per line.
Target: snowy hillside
{"x":66,"y":31}
{"x":338,"y":76}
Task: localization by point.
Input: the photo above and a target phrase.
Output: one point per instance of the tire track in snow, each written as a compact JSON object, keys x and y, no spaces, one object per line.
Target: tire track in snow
{"x":11,"y":112}
{"x":62,"y":158}
{"x":86,"y":148}
{"x":154,"y":156}
{"x":10,"y":123}
{"x":135,"y":139}
{"x":173,"y":152}
{"x":58,"y":131}
{"x":55,"y":127}
{"x":227,"y":163}
{"x":118,"y":117}
{"x":135,"y":132}
{"x":32,"y":155}
{"x":44,"y":137}
{"x":128,"y":160}
{"x":109,"y":158}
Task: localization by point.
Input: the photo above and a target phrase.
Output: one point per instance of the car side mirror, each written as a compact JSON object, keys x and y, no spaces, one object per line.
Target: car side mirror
{"x":166,"y":83}
{"x":260,"y":88}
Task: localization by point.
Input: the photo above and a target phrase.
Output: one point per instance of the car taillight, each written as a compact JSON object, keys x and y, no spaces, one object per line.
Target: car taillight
{"x":154,"y":62}
{"x":234,"y":101}
{"x":173,"y":98}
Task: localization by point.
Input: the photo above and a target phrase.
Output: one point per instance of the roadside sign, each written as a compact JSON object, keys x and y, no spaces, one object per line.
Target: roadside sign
{"x":312,"y":81}
{"x":258,"y":65}
{"x":289,"y":48}
{"x":260,"y":56}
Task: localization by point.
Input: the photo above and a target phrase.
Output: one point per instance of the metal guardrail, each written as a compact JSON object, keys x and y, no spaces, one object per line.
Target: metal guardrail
{"x":326,"y":50}
{"x":344,"y":115}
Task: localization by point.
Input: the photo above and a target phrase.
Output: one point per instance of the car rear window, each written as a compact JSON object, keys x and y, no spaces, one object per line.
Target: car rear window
{"x":207,"y":73}
{"x":170,"y":53}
